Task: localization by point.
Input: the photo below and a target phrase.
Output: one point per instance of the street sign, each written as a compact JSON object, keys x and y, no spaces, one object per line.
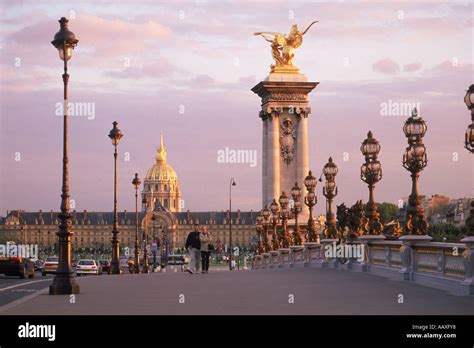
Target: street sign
{"x":236,"y":251}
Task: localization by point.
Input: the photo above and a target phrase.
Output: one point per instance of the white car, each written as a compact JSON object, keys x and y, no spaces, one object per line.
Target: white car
{"x":88,"y":266}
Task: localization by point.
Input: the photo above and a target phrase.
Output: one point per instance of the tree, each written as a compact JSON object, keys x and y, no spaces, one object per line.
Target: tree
{"x":445,"y":232}
{"x":388,"y":212}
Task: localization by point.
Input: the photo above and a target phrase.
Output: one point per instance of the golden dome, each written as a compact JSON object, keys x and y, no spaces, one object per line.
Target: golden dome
{"x":161,"y":171}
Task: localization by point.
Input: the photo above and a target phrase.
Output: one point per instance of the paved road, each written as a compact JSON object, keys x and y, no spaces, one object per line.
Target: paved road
{"x":281,"y":291}
{"x":14,"y":288}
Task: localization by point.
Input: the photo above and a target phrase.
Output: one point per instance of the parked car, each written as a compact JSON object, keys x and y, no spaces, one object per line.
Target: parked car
{"x":17,"y":266}
{"x":87,"y":266}
{"x":38,"y":265}
{"x":50,"y":265}
{"x":106,"y":266}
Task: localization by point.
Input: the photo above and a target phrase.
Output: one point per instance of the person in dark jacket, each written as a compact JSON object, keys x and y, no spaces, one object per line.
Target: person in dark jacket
{"x":193,"y":245}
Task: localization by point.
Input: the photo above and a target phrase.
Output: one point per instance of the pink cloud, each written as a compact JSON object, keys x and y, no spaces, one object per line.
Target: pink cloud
{"x":412,"y":67}
{"x":386,"y":66}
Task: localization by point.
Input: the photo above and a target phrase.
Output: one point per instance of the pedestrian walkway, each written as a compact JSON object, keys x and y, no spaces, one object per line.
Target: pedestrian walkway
{"x":275,"y":291}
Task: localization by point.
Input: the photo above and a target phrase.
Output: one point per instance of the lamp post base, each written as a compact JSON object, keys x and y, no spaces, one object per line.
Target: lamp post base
{"x":64,"y":285}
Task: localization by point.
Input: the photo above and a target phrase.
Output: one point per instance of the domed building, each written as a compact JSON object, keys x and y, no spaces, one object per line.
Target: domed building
{"x":161,"y":184}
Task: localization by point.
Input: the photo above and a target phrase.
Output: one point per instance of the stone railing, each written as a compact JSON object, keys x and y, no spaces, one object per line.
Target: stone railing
{"x":447,"y":266}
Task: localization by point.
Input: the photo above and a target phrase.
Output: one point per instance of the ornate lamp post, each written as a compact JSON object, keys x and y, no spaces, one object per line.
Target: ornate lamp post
{"x":415,"y":160}
{"x":232,"y":183}
{"x":296,"y":194}
{"x":64,"y":282}
{"x":310,"y":200}
{"x":330,"y":191}
{"x":469,"y":101}
{"x":371,"y":173}
{"x":285,"y":239}
{"x":275,"y":209}
{"x":136,"y":182}
{"x":115,"y":135}
{"x":266,"y":220}
{"x":259,"y":233}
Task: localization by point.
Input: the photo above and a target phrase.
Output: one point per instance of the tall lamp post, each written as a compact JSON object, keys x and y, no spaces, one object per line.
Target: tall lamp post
{"x":371,"y":173}
{"x":275,"y":209}
{"x":115,"y":135}
{"x":415,"y":160}
{"x":136,"y":182}
{"x":284,"y":240}
{"x":64,"y":282}
{"x":310,"y":200}
{"x":330,"y":191}
{"x":296,"y":194}
{"x":232,"y":183}
{"x":266,"y":220}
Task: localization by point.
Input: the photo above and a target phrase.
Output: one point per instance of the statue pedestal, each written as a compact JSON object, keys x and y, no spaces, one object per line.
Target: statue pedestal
{"x":284,"y":114}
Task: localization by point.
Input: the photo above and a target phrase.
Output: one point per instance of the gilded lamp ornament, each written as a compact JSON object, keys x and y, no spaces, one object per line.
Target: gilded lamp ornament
{"x":415,"y":160}
{"x":275,"y":209}
{"x":330,"y":191}
{"x":371,"y":173}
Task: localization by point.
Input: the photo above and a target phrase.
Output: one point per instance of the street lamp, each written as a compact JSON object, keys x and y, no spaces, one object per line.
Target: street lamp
{"x":115,"y":135}
{"x":266,"y":220}
{"x":136,"y":182}
{"x":371,"y":173}
{"x":469,"y":101}
{"x":259,"y":233}
{"x":64,"y":282}
{"x":330,"y":191}
{"x":285,"y":239}
{"x":415,"y":160}
{"x":232,"y":183}
{"x":310,"y":200}
{"x":275,"y":209}
{"x":296,"y":194}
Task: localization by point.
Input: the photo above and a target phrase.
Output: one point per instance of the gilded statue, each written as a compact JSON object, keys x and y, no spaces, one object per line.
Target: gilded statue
{"x":283,"y":46}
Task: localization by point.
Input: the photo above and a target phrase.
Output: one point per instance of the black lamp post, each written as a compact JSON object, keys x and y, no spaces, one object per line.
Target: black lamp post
{"x":136,"y":182}
{"x":330,"y":191}
{"x":296,"y":194}
{"x":232,"y":183}
{"x":275,"y":209}
{"x":371,"y":173}
{"x":64,"y":282}
{"x":469,"y":101}
{"x":266,"y":220}
{"x":415,"y":160}
{"x":310,"y":200}
{"x":115,"y":135}
{"x":284,"y":212}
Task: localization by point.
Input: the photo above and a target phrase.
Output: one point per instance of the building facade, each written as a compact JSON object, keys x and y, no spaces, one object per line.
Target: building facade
{"x":161,"y":219}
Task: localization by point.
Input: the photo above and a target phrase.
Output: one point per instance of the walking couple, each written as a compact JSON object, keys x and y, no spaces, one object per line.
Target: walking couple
{"x":199,"y":244}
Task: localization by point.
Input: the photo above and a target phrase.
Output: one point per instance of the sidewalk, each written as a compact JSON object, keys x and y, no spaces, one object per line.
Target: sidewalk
{"x":314,"y":291}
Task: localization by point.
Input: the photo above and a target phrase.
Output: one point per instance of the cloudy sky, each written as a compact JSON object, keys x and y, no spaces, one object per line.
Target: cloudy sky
{"x":187,"y":68}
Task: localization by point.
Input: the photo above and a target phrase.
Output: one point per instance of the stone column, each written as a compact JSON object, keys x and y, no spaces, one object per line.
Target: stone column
{"x":264,"y":160}
{"x":273,"y":160}
{"x":302,"y":166}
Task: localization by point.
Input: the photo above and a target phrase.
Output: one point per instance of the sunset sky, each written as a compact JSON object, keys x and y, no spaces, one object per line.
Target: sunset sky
{"x":142,"y":62}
